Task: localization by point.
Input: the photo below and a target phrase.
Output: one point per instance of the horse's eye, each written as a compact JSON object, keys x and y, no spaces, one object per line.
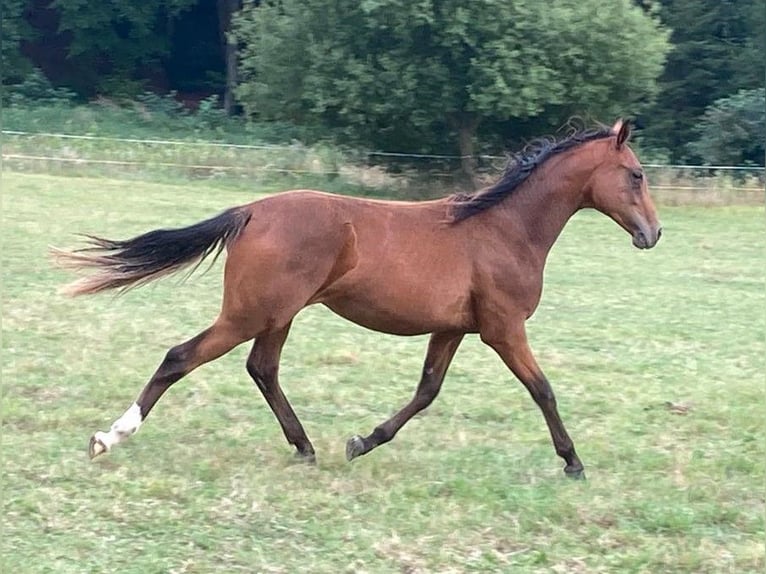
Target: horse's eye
{"x":637,"y":174}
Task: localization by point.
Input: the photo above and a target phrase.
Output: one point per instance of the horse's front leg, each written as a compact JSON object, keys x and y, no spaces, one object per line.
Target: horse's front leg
{"x":513,"y":348}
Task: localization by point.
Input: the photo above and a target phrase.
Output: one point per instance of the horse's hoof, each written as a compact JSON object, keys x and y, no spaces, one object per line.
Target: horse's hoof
{"x":575,"y":474}
{"x":305,"y":457}
{"x":354,"y":447}
{"x":96,"y":447}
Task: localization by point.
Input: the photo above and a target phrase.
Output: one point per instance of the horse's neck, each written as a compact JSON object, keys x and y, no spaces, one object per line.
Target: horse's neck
{"x":541,"y":207}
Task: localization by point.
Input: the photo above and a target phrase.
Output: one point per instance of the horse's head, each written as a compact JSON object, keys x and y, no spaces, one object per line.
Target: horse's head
{"x":617,"y":187}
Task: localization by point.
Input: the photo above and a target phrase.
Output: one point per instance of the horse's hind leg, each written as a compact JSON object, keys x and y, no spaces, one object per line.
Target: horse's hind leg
{"x":263,"y":367}
{"x":213,"y":342}
{"x":441,"y":349}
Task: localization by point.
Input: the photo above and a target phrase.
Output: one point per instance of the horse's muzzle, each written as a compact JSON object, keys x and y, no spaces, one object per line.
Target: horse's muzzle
{"x":645,"y":238}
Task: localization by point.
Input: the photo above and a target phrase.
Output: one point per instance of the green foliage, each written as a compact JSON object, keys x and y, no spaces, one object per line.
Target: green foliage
{"x":403,"y":74}
{"x":733,"y":130}
{"x":718,"y":50}
{"x":211,"y":115}
{"x":37,"y":90}
{"x":13,"y":29}
{"x":167,"y":110}
{"x":161,"y":104}
{"x":154,"y":118}
{"x":749,"y":62}
{"x":113,"y":39}
{"x":415,"y":76}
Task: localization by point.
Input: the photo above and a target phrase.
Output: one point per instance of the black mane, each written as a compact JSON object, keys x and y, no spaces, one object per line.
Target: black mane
{"x":520,"y":166}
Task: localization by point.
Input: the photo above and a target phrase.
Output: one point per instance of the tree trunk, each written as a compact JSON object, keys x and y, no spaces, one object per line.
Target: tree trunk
{"x":466,"y":125}
{"x":226,"y":9}
{"x":231,"y":77}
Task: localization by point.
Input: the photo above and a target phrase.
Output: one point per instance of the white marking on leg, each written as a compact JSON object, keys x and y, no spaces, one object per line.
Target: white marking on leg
{"x":122,"y":428}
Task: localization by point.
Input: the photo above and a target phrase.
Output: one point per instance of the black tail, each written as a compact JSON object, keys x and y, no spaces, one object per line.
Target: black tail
{"x":134,"y":262}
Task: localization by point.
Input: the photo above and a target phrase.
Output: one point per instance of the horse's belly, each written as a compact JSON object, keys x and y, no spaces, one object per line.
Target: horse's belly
{"x":388,"y":315}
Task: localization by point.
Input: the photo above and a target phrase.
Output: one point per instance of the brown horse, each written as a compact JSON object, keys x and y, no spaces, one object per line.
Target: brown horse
{"x":463,"y":264}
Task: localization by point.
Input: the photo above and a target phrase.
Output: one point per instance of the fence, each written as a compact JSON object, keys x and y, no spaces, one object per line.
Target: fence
{"x":390,"y":173}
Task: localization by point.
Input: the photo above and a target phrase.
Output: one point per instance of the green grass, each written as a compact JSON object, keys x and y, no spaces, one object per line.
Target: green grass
{"x":473,"y":485}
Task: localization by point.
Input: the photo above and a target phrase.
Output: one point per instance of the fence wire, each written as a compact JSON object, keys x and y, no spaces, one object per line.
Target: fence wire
{"x":89,"y":154}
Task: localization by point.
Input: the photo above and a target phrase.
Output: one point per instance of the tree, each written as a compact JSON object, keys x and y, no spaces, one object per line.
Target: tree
{"x":13,"y":29}
{"x":718,"y":50}
{"x":733,"y":130}
{"x":124,"y":47}
{"x":394,"y":73}
{"x":117,"y":41}
{"x":226,"y":11}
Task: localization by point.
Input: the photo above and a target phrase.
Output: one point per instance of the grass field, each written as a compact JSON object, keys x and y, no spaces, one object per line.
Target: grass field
{"x":657,"y":359}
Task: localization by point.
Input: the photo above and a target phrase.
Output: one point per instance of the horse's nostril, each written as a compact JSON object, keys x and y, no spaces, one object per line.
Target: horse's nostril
{"x":659,"y":233}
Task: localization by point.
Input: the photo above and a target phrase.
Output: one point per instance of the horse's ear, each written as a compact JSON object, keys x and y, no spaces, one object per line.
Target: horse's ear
{"x":622,"y":129}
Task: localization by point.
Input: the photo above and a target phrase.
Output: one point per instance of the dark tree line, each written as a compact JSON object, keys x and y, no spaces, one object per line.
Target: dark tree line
{"x":438,"y":75}
{"x":123,"y":47}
